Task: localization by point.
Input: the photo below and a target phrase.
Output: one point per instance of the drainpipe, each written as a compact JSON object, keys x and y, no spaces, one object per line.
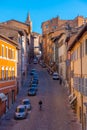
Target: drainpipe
{"x":81,"y":77}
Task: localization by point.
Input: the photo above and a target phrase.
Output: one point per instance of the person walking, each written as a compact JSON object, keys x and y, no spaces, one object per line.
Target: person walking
{"x":40,"y":104}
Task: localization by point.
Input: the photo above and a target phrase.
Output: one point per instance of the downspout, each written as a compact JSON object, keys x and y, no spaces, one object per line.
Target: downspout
{"x":81,"y":93}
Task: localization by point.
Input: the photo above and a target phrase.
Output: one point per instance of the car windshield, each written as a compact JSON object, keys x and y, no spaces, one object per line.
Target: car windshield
{"x":26,"y":102}
{"x":31,"y":90}
{"x":33,"y":70}
{"x":55,"y":74}
{"x":20,"y":110}
{"x":34,"y":81}
{"x":34,"y":85}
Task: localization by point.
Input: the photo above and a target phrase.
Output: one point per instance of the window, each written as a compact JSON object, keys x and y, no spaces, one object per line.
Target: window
{"x":2,"y":51}
{"x":83,"y":49}
{"x":54,"y":27}
{"x":12,"y":54}
{"x":86,"y":46}
{"x":78,"y":52}
{"x":6,"y":53}
{"x":2,"y":73}
{"x":9,"y":55}
{"x":12,"y":73}
{"x":9,"y":73}
{"x":6,"y":73}
{"x":46,"y":26}
{"x":51,"y":21}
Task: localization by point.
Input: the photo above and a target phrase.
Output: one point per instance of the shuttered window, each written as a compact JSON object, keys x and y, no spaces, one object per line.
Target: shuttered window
{"x":86,"y":46}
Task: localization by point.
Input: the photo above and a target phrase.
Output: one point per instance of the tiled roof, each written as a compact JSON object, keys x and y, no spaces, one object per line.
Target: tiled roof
{"x":9,"y":40}
{"x":14,"y":21}
{"x":75,"y":37}
{"x":10,"y":32}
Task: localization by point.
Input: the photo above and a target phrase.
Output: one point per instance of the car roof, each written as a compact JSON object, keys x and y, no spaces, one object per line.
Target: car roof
{"x":33,"y":69}
{"x":26,"y":99}
{"x":20,"y":106}
{"x":31,"y":89}
{"x":55,"y":73}
{"x":34,"y":84}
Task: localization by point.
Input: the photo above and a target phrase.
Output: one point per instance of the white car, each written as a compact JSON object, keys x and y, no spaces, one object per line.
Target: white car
{"x":55,"y":76}
{"x":21,"y":112}
{"x":26,"y":103}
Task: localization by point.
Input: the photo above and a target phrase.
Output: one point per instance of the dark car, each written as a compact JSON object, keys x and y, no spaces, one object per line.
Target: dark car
{"x":35,"y":61}
{"x":33,"y":71}
{"x":34,"y":86}
{"x":43,"y":65}
{"x":31,"y":92}
{"x":34,"y":81}
{"x":26,"y":103}
{"x":35,"y":75}
{"x":35,"y":78}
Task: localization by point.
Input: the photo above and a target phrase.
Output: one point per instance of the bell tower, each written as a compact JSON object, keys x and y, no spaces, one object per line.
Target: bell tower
{"x":29,"y":22}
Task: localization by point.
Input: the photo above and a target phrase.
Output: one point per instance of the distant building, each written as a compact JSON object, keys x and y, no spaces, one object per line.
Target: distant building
{"x":36,"y":44}
{"x":57,"y":24}
{"x":54,"y":28}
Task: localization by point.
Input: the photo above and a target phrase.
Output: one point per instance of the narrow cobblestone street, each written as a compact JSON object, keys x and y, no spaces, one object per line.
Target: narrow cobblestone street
{"x":56,"y":113}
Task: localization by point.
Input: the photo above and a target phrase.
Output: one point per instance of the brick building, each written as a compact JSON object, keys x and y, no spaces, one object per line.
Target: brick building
{"x":54,"y":28}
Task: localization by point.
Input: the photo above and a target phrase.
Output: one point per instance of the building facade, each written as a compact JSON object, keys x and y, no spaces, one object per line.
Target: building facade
{"x":78,"y":51}
{"x":36,"y":43}
{"x":21,"y":33}
{"x":8,"y":73}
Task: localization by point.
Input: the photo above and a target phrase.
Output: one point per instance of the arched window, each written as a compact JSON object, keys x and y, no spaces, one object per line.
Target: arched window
{"x":2,"y":50}
{"x":2,"y":73}
{"x":9,"y":73}
{"x":13,"y":75}
{"x":6,"y":73}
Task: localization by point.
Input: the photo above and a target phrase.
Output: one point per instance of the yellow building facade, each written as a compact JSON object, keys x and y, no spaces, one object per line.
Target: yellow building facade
{"x":78,"y":50}
{"x":8,"y":72}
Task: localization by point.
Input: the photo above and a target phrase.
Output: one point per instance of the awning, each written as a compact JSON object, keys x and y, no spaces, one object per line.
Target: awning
{"x":73,"y":99}
{"x":3,"y":97}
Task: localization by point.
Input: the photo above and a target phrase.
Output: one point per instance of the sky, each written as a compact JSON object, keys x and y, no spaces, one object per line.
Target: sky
{"x":41,"y":10}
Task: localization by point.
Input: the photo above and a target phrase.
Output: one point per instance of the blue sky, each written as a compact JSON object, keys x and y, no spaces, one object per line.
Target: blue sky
{"x":41,"y":10}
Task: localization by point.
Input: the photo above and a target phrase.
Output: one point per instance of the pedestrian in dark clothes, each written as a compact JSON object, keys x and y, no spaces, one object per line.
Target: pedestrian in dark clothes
{"x":40,"y":104}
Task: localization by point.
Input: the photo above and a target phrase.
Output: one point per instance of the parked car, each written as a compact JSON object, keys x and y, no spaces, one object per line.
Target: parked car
{"x":26,"y":103}
{"x":36,"y":78}
{"x":33,"y":81}
{"x":35,"y":75}
{"x":31,"y":92}
{"x":35,"y":61}
{"x":55,"y":76}
{"x":21,"y":112}
{"x":34,"y":86}
{"x":43,"y":65}
{"x":33,"y":71}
